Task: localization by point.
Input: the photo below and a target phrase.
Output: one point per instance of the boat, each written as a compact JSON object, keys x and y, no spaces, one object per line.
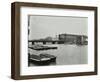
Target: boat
{"x":36,"y":59}
{"x":41,"y":47}
{"x":41,"y":59}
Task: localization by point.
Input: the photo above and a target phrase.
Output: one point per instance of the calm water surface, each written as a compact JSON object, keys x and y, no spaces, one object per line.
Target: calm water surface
{"x":66,"y":54}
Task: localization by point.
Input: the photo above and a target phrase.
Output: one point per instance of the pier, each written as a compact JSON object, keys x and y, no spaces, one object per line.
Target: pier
{"x":46,"y":41}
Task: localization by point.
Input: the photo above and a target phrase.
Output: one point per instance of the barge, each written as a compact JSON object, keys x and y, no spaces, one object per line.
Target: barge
{"x":41,"y":47}
{"x":42,"y":59}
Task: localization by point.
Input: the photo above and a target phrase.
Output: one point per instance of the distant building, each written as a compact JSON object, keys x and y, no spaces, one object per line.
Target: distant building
{"x":70,"y":38}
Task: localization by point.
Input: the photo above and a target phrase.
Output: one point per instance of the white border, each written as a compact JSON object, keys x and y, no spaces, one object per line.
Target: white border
{"x":25,"y":70}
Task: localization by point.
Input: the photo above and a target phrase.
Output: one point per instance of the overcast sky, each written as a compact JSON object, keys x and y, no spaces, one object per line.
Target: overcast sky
{"x":44,"y":26}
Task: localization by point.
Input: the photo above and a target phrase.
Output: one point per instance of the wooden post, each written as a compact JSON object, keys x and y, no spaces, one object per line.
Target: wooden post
{"x":32,"y":43}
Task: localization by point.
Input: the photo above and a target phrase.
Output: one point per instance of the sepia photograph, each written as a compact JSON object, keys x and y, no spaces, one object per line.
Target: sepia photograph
{"x":57,"y":40}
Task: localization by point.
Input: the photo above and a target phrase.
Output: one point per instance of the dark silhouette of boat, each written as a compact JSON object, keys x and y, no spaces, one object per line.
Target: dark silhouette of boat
{"x":42,"y":59}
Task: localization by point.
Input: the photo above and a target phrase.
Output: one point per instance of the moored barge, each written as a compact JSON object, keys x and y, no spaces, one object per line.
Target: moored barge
{"x":42,"y":59}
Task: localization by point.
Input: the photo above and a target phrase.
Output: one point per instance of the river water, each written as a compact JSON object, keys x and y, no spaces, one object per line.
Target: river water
{"x":67,"y":54}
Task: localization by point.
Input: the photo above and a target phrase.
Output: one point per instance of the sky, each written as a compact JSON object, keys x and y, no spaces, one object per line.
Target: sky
{"x":44,"y":26}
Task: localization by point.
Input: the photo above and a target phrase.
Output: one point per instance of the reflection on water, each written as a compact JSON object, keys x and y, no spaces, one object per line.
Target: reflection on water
{"x":66,"y":54}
